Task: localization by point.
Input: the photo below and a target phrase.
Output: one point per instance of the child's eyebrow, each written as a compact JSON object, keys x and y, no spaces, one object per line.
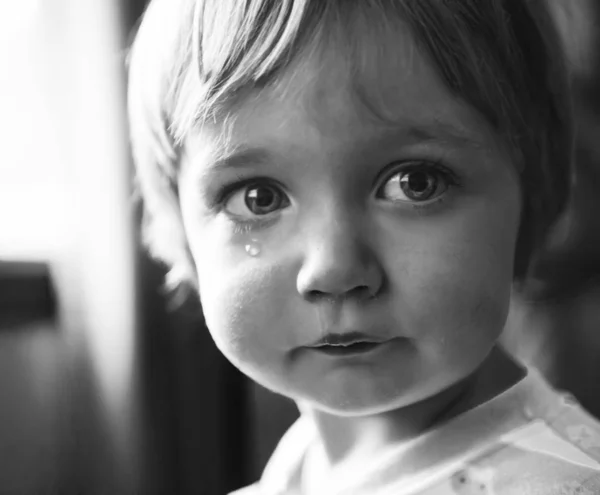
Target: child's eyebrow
{"x":448,"y":134}
{"x":239,"y":157}
{"x":444,"y":132}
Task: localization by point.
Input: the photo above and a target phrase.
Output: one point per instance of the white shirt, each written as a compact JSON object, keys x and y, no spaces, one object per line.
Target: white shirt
{"x":527,"y":440}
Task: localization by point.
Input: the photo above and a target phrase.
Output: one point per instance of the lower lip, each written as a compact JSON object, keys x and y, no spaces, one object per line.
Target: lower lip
{"x":349,"y":350}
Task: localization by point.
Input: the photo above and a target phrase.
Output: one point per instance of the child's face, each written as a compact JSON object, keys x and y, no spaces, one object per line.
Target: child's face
{"x":341,"y":222}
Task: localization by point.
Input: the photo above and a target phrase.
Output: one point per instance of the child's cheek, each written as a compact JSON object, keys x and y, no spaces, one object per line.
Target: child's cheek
{"x":249,"y":313}
{"x":454,"y":281}
{"x":458,"y":301}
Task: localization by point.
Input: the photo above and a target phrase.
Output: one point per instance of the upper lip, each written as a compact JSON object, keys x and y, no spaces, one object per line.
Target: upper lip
{"x":346,"y":339}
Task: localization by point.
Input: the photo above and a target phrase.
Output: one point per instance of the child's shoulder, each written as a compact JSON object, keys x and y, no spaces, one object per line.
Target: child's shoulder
{"x":537,"y":459}
{"x":561,"y":456}
{"x":516,"y":470}
{"x":553,"y":449}
{"x":556,"y":452}
{"x":562,"y":425}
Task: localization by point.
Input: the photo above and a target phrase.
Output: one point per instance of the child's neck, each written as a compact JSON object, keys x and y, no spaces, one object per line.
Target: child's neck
{"x":349,"y":440}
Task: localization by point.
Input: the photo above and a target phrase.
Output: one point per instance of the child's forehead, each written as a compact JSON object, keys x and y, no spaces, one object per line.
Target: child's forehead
{"x":370,"y":67}
{"x":368,"y":62}
{"x":381,"y":84}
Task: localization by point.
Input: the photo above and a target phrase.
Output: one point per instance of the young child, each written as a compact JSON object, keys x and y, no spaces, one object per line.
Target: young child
{"x":353,"y":188}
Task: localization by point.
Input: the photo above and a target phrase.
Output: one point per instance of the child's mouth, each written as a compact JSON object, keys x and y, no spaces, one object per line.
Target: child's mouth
{"x":347,"y":344}
{"x":347,"y":350}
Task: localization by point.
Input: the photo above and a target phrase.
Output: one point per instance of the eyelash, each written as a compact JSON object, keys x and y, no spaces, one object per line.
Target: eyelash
{"x":242,"y":227}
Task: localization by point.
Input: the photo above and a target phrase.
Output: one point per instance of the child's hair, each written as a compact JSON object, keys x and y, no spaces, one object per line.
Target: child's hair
{"x":191,"y":58}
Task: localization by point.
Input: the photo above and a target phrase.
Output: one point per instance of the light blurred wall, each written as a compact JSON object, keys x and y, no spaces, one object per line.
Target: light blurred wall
{"x":101,"y":321}
{"x":65,"y":199}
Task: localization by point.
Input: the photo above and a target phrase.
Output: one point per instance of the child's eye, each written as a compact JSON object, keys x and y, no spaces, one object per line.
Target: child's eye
{"x":256,"y":200}
{"x":417,"y":183}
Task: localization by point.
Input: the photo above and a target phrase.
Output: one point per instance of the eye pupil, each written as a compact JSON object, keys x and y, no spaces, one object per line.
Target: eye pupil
{"x":261,"y":199}
{"x":418,"y":185}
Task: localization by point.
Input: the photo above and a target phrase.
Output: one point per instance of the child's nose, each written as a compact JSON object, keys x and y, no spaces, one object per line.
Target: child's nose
{"x":338,"y":262}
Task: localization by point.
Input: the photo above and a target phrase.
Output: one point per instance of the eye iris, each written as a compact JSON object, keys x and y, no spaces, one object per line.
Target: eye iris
{"x":261,"y":200}
{"x":418,"y":185}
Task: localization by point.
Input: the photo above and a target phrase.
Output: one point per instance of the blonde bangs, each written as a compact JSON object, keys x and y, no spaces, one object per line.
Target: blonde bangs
{"x":236,"y":47}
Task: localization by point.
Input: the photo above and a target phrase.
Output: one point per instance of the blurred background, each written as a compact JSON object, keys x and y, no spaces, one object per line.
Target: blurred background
{"x":104,"y":387}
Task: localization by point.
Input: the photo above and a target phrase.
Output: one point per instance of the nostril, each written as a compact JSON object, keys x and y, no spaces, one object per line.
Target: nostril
{"x":317,"y":295}
{"x":360,"y":292}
